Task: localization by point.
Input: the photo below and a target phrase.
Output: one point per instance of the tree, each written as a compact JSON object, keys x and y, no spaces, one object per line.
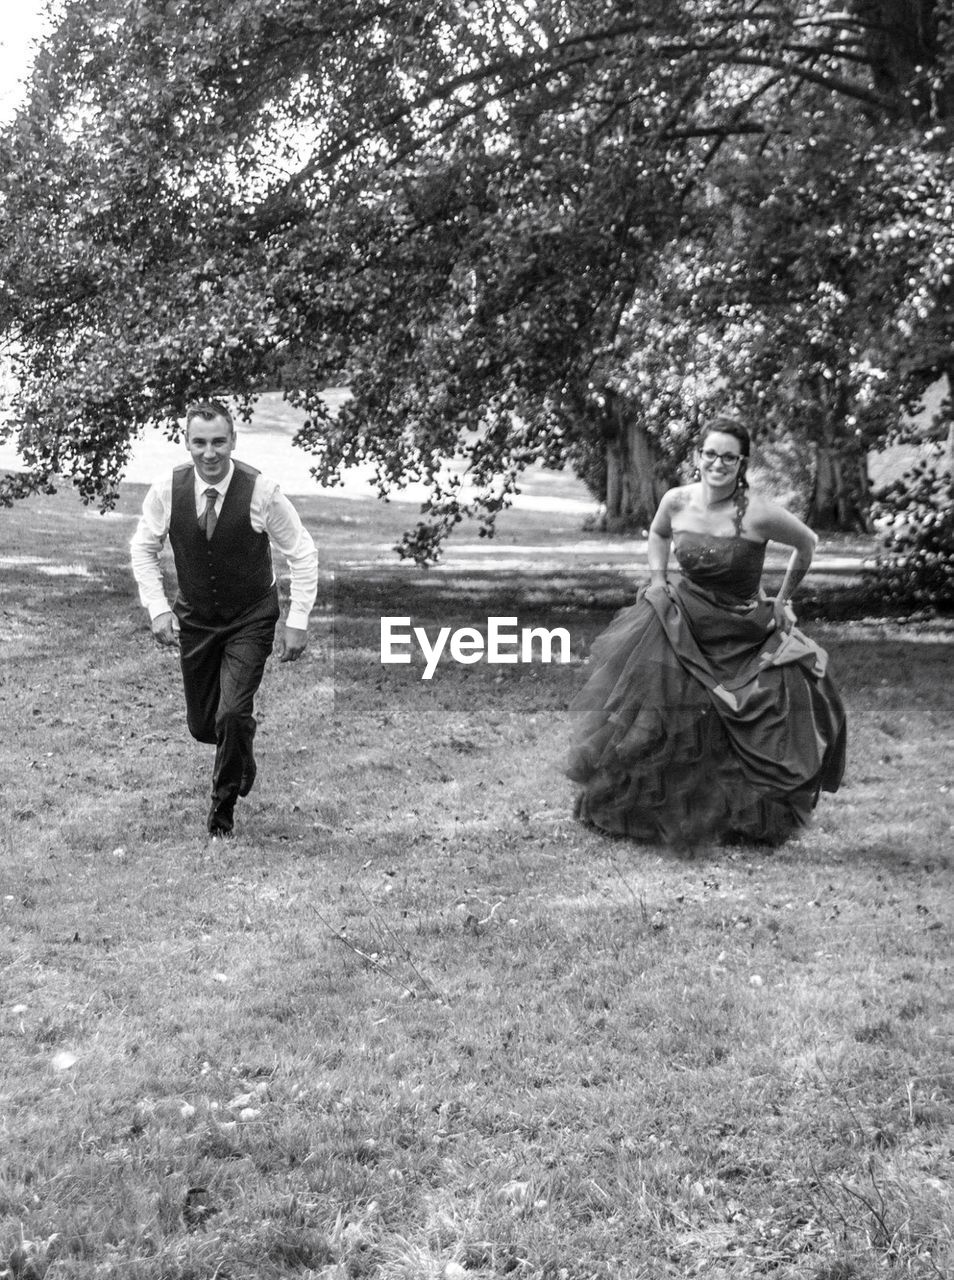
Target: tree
{"x":184,"y":218}
{"x":819,"y":251}
{"x":815,"y":344}
{"x":488,"y":217}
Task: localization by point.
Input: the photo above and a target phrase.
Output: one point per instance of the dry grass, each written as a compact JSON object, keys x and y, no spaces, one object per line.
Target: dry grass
{"x":413,"y":1021}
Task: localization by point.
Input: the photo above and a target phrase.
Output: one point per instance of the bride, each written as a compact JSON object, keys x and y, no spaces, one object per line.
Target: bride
{"x":707,"y":714}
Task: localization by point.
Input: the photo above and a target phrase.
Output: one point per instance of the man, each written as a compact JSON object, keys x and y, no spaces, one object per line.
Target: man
{"x":222,"y":517}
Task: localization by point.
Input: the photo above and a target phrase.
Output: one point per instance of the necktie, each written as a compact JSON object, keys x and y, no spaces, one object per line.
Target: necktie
{"x":207,"y":519}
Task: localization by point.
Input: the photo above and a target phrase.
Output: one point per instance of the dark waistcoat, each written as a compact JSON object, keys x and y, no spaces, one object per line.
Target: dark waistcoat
{"x":222,"y":576}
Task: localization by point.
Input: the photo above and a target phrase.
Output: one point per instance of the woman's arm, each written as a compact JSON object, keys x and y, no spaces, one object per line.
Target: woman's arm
{"x":660,"y":537}
{"x":798,"y":565}
{"x":773,"y":521}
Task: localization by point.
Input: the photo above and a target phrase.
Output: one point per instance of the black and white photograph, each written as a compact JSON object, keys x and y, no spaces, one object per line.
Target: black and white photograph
{"x":477,"y":640}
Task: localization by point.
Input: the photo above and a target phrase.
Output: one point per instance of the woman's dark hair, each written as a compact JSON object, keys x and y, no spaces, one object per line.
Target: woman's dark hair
{"x":732,"y":427}
{"x":728,"y":426}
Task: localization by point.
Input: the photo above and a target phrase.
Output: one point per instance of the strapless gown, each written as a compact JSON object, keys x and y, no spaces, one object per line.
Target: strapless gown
{"x":700,"y":721}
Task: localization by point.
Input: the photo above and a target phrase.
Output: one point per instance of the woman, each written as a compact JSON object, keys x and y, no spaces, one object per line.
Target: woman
{"x":707,"y":715}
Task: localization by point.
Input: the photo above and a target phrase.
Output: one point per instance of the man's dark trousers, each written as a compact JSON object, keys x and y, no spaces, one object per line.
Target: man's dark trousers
{"x":222,"y":667}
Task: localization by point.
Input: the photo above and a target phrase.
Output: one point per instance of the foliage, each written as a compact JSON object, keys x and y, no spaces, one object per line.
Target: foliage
{"x":839,"y":316}
{"x":493,"y":220}
{"x":916,"y":513}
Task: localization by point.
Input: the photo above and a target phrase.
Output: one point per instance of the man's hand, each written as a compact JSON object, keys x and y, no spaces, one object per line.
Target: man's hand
{"x":293,"y":644}
{"x":163,"y":628}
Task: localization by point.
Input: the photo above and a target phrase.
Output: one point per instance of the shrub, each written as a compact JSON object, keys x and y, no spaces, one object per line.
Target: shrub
{"x":915,"y":515}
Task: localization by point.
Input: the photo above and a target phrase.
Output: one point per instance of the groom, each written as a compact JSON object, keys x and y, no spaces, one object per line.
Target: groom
{"x":222,"y":518}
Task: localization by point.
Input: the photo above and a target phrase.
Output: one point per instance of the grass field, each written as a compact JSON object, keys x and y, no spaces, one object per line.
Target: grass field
{"x":414,"y":1021}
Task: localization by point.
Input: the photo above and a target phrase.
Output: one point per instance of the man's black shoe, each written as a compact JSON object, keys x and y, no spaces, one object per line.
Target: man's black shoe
{"x":221,"y":821}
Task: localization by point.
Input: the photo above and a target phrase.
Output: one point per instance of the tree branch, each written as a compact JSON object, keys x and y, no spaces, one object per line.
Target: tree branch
{"x":723,"y":131}
{"x":837,"y":84}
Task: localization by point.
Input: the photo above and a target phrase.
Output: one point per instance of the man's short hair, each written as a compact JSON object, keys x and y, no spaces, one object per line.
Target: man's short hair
{"x":207,"y":410}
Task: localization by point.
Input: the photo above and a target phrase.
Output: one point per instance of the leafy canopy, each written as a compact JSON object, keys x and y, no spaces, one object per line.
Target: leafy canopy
{"x":487,"y":217}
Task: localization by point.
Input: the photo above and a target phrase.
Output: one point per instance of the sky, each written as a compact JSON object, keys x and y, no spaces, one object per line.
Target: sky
{"x":23,"y":21}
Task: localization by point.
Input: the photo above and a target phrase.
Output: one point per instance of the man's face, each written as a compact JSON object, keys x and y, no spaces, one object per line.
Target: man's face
{"x":210,"y":442}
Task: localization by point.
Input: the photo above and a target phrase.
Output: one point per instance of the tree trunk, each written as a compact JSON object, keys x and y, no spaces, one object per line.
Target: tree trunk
{"x":841,"y":494}
{"x":904,"y":41}
{"x":636,"y":474}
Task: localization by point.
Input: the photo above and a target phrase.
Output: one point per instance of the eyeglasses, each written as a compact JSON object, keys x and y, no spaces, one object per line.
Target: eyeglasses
{"x":728,"y":459}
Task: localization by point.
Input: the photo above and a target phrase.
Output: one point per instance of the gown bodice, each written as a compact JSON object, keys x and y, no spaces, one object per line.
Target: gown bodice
{"x":731,"y":566}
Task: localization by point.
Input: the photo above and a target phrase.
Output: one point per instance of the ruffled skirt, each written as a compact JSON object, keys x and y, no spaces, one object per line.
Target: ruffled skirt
{"x":701,"y":722}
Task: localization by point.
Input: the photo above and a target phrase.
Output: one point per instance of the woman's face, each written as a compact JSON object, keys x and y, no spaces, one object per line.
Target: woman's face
{"x":720,"y":457}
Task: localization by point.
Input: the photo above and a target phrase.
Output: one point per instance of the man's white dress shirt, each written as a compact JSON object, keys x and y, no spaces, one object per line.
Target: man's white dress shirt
{"x":270,"y":513}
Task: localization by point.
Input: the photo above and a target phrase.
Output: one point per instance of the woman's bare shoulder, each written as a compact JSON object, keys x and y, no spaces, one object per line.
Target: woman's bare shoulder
{"x":671,"y":504}
{"x":771,"y":520}
{"x":760,"y":506}
{"x":679,"y":497}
